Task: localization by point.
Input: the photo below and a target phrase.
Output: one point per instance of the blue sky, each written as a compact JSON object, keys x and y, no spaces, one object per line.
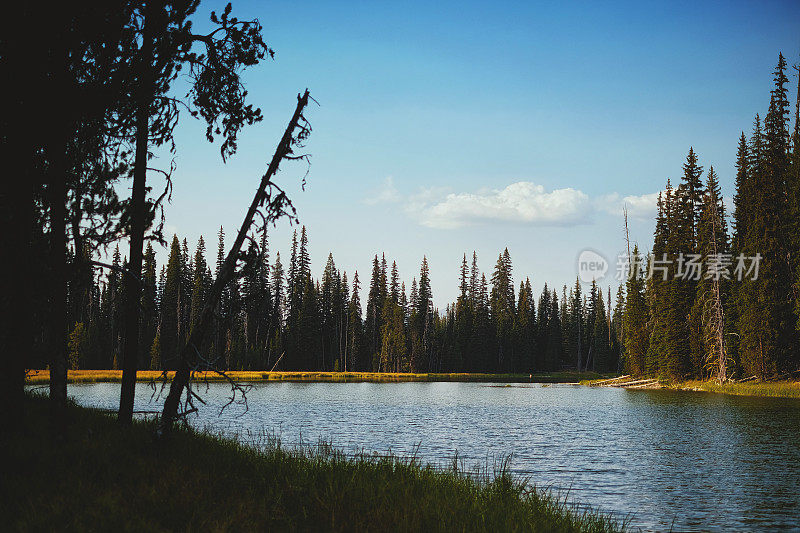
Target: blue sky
{"x":451,"y":127}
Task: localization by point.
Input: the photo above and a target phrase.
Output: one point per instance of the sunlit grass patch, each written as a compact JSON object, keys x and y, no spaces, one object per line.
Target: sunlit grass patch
{"x":775,"y":389}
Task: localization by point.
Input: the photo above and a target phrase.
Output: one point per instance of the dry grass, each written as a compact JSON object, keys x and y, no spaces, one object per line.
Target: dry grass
{"x":770,"y":389}
{"x":773,"y":389}
{"x":255,"y":376}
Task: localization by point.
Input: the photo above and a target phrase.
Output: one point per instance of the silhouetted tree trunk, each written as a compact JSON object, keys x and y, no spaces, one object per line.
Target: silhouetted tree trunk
{"x":16,"y":204}
{"x":137,"y":213}
{"x":57,"y":194}
{"x":18,"y":143}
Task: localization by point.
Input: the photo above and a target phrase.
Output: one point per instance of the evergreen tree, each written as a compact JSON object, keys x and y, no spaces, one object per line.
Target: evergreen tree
{"x":394,"y":285}
{"x":474,"y":278}
{"x":201,"y":282}
{"x":555,"y":341}
{"x":543,"y":327}
{"x":635,"y":319}
{"x":422,"y":321}
{"x":741,"y":216}
{"x":170,"y":306}
{"x":292,"y":290}
{"x":384,"y":279}
{"x":599,"y":344}
{"x":278,"y":297}
{"x":356,"y":356}
{"x":149,"y":307}
{"x":373,"y":320}
{"x":502,"y":304}
{"x":660,"y":283}
{"x":525,"y":330}
{"x":617,"y":324}
{"x":308,"y":337}
{"x":682,"y":242}
{"x":393,"y":339}
{"x":767,"y":338}
{"x":575,"y":328}
{"x":482,"y":338}
{"x":463,"y":321}
{"x":424,"y":293}
{"x":692,"y":191}
{"x":329,"y":313}
{"x":303,"y":257}
{"x":278,"y":311}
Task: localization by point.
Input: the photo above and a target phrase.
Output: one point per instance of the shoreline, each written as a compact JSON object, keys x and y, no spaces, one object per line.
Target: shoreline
{"x":38,"y":377}
{"x":766,"y":389}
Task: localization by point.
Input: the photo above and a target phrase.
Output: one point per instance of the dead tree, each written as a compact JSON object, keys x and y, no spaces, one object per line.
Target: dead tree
{"x":714,"y":314}
{"x":270,"y":203}
{"x":627,"y":234}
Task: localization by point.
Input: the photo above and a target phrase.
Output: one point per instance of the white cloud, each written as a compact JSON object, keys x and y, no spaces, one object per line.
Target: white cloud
{"x":523,"y":202}
{"x":388,"y":193}
{"x":644,"y":206}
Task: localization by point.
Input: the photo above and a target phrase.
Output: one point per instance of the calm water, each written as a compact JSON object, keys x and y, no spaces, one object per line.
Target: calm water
{"x":691,"y":461}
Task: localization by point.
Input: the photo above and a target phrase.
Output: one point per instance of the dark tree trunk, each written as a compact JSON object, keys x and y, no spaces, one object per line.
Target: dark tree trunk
{"x":57,"y":197}
{"x":17,"y":206}
{"x":132,"y":281}
{"x":25,"y":62}
{"x":58,"y":282}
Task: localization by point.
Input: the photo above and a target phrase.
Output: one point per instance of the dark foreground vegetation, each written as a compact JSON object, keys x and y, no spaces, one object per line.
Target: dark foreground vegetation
{"x":105,"y":476}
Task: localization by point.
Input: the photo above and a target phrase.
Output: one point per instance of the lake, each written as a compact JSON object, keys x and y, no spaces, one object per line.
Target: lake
{"x":690,"y":461}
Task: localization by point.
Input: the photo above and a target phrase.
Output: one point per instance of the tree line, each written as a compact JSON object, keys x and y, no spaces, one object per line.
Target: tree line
{"x":276,"y":316}
{"x":724,"y":324}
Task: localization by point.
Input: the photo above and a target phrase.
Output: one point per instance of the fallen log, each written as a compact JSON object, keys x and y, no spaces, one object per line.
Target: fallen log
{"x":597,"y":383}
{"x":652,"y":385}
{"x":629,"y":383}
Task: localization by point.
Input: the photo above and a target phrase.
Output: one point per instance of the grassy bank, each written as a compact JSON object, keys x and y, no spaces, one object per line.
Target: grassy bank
{"x":770,"y":389}
{"x":102,"y":476}
{"x":774,"y":389}
{"x":91,"y":376}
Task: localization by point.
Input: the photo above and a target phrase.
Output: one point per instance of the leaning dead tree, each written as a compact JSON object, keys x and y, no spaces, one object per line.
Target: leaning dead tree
{"x":270,"y":203}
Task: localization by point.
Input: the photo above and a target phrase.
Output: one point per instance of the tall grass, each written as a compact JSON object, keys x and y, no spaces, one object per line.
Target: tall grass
{"x":774,"y":389}
{"x":102,"y":476}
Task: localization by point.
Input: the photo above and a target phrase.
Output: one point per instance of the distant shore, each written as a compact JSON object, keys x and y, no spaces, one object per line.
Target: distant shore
{"x":774,"y":389}
{"x":34,"y":377}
